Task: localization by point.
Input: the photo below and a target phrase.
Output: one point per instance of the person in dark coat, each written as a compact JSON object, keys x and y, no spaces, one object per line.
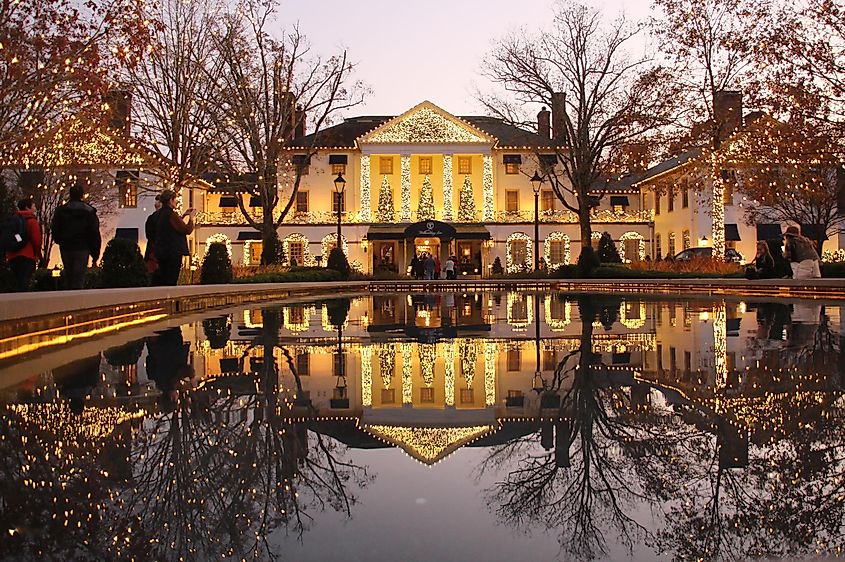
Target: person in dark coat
{"x":764,"y":263}
{"x":150,"y":227}
{"x":171,"y":239}
{"x":23,"y":262}
{"x":76,"y":229}
{"x":167,"y":363}
{"x":415,"y":266}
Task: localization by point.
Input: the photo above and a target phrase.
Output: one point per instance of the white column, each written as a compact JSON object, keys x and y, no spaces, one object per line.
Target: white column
{"x":447,"y":187}
{"x":405,"y":160}
{"x":365,"y":188}
{"x":720,"y":344}
{"x":488,"y":188}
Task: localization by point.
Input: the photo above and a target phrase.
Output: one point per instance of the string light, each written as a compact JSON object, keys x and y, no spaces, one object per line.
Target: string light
{"x":466,"y":208}
{"x":547,"y":249}
{"x":385,"y":211}
{"x":425,"y":209}
{"x":298,"y":238}
{"x":366,"y":377}
{"x":487,"y":183}
{"x":365,"y":187}
{"x":524,"y":242}
{"x":447,"y":187}
{"x":218,"y":238}
{"x":405,"y":163}
{"x":330,"y":241}
{"x":407,"y":373}
{"x":424,"y":124}
{"x":640,"y":246}
{"x":428,"y":444}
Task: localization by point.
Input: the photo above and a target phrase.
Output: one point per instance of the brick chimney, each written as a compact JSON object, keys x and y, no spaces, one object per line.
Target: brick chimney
{"x":727,"y":112}
{"x":558,"y":114}
{"x":299,"y":122}
{"x":544,"y":128}
{"x":636,"y":156}
{"x":120,"y":110}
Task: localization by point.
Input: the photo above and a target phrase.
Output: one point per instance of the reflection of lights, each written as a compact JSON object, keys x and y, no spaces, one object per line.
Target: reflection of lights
{"x":428,"y":444}
{"x":704,"y":316}
{"x":449,"y":370}
{"x":632,"y":323}
{"x":366,"y":377}
{"x":489,"y":373}
{"x":743,"y":308}
{"x":720,"y":344}
{"x":553,"y":320}
{"x":407,"y":381}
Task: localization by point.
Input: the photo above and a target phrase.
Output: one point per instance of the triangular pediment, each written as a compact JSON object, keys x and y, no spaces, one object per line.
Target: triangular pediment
{"x":428,"y":444}
{"x":426,"y":124}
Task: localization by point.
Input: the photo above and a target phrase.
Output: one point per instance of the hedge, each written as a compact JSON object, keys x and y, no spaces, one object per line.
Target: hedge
{"x":296,"y":276}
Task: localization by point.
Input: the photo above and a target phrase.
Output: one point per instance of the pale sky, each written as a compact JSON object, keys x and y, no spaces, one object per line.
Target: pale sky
{"x":409,"y":51}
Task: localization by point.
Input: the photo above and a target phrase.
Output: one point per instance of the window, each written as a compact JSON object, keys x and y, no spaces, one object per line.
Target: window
{"x":558,"y":308}
{"x":519,"y":251}
{"x":673,"y":360}
{"x":303,"y":364}
{"x":556,"y":251}
{"x":632,"y":249}
{"x":127,"y":185}
{"x":512,"y":200}
{"x":547,"y":200}
{"x":296,"y":250}
{"x":301,"y":201}
{"x":511,"y":168}
{"x":425,"y":165}
{"x":297,"y":314}
{"x":467,"y":396}
{"x":671,"y":196}
{"x":388,"y":396}
{"x":658,"y":248}
{"x":687,"y":362}
{"x":301,"y":162}
{"x":341,"y":197}
{"x":685,"y":240}
{"x":427,"y":395}
{"x":656,"y":203}
{"x":549,"y":360}
{"x":464,"y":165}
{"x":659,"y":358}
{"x":338,"y":169}
{"x":514,"y":359}
{"x":685,"y":197}
{"x":670,"y":252}
{"x":385,"y":165}
{"x":255,"y":252}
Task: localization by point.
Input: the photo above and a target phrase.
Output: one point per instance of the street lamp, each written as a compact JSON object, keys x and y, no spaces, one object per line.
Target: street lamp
{"x":339,"y":185}
{"x":536,"y":182}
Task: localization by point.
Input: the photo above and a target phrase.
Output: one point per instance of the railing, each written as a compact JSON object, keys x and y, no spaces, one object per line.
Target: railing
{"x":354,"y":217}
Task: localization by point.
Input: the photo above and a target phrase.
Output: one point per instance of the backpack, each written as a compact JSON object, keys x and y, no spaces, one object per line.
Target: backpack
{"x":13,"y":233}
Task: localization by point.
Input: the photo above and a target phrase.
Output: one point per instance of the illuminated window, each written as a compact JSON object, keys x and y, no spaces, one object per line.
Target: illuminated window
{"x":549,"y":360}
{"x":255,"y":252}
{"x":425,"y":165}
{"x":556,"y":251}
{"x":303,"y":364}
{"x":464,"y":165}
{"x":670,"y":252}
{"x":467,"y":396}
{"x":301,"y":201}
{"x":519,"y":251}
{"x":388,"y":396}
{"x":427,"y":395}
{"x":511,"y":168}
{"x":618,"y":209}
{"x":658,"y":248}
{"x":296,"y":249}
{"x":547,"y":200}
{"x":685,"y":197}
{"x":338,"y":169}
{"x":297,"y":314}
{"x":685,"y":239}
{"x":558,"y":308}
{"x":256,"y":318}
{"x":385,"y":165}
{"x":514,"y":359}
{"x":512,"y":200}
{"x":339,"y":197}
{"x":127,"y":185}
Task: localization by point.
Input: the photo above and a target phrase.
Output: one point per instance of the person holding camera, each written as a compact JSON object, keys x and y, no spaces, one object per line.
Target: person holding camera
{"x":171,"y":239}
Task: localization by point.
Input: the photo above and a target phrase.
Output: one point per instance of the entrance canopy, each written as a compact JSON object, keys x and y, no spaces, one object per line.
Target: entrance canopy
{"x":428,"y":229}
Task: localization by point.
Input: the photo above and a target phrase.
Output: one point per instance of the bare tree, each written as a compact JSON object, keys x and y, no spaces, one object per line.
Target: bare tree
{"x":268,"y":85}
{"x":611,"y":98}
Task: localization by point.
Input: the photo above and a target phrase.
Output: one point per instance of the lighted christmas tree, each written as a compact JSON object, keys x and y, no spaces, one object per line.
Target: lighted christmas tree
{"x":385,"y":202}
{"x":466,"y":210}
{"x":425,"y":210}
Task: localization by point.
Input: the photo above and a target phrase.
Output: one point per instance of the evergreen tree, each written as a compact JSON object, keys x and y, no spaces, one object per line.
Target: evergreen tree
{"x":497,"y":266}
{"x":337,"y":261}
{"x":607,"y":249}
{"x":425,"y":210}
{"x":123,"y":265}
{"x":385,"y":202}
{"x":466,"y":210}
{"x":216,"y":265}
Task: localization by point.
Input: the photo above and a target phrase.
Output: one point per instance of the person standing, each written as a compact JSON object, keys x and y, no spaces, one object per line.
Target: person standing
{"x":76,"y":229}
{"x":429,"y":267}
{"x":450,"y":267}
{"x":415,"y":266}
{"x":23,"y":261}
{"x":150,"y":232}
{"x":801,"y":254}
{"x":171,"y":239}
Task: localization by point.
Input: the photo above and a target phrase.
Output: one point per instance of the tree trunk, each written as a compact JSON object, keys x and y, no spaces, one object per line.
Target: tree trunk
{"x":584,"y":224}
{"x":269,"y":239}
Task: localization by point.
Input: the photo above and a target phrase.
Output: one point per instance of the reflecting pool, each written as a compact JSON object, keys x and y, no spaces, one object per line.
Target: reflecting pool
{"x":436,"y":427}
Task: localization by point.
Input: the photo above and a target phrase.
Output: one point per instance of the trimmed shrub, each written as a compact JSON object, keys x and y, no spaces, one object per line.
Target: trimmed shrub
{"x":568,"y":271}
{"x":126,"y":354}
{"x":123,"y":265}
{"x":304,"y":275}
{"x":497,"y":266}
{"x":217,"y":331}
{"x":216,"y":265}
{"x":587,"y":262}
{"x":607,"y":249}
{"x":338,"y":262}
{"x":338,"y":310}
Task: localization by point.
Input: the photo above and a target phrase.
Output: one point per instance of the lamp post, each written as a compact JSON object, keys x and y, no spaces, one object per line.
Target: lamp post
{"x":536,"y":182}
{"x":339,"y":185}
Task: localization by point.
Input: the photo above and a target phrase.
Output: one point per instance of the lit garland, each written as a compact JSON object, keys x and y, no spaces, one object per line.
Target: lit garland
{"x":686,"y":243}
{"x":519,"y":324}
{"x":640,"y":246}
{"x":427,"y":355}
{"x":557,"y":324}
{"x":447,"y":187}
{"x":407,"y":374}
{"x":490,"y":373}
{"x":306,"y":251}
{"x":367,"y":376}
{"x":386,"y":363}
{"x":295,"y":322}
{"x":405,"y":164}
{"x":487,"y":183}
{"x":426,"y":124}
{"x":385,"y":202}
{"x":428,"y":444}
{"x":632,"y":323}
{"x":547,"y":249}
{"x":837,"y":255}
{"x":449,"y":372}
{"x":247,"y":258}
{"x":330,"y":241}
{"x":720,"y":344}
{"x":468,"y":353}
{"x":466,"y":208}
{"x":327,"y":325}
{"x":365,"y":188}
{"x":95,"y":422}
{"x":218,"y":239}
{"x":512,"y":265}
{"x":717,"y":212}
{"x":425,"y":209}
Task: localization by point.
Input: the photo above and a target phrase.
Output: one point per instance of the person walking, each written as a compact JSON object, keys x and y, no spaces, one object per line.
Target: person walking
{"x":76,"y":229}
{"x":801,"y":254}
{"x":450,"y":267}
{"x":171,"y":240}
{"x":23,"y":261}
{"x":150,"y":227}
{"x":429,"y":267}
{"x":415,"y":266}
